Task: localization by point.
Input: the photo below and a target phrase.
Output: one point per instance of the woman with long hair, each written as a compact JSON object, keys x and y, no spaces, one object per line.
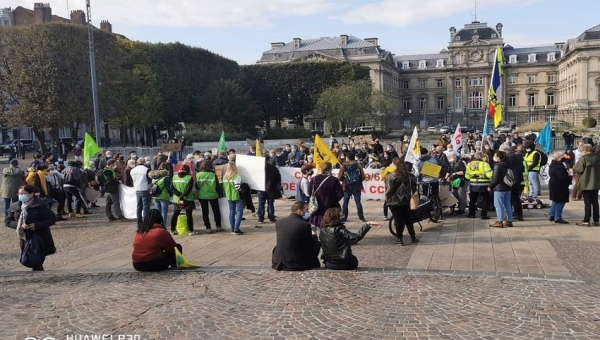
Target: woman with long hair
{"x":162,"y":198}
{"x":336,"y":241}
{"x":232,"y":182}
{"x":31,"y":215}
{"x":207,"y":186}
{"x":153,"y":246}
{"x":400,"y":186}
{"x":328,"y":191}
{"x":502,"y":191}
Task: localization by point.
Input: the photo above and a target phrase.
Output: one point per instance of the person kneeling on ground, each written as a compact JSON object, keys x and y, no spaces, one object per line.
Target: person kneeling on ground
{"x":296,"y":248}
{"x":153,"y":246}
{"x":336,"y":240}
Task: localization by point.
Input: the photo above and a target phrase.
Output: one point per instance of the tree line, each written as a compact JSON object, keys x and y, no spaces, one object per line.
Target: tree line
{"x":45,"y":83}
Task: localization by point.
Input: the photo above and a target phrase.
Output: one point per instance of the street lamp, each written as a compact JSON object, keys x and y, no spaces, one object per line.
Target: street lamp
{"x":93,"y":75}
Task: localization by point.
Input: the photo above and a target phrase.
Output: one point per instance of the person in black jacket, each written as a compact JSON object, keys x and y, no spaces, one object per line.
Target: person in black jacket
{"x":560,"y":179}
{"x":336,"y":241}
{"x":501,"y":186}
{"x":296,"y":248}
{"x":30,"y":214}
{"x":518,"y":168}
{"x":272,"y":184}
{"x":111,"y":189}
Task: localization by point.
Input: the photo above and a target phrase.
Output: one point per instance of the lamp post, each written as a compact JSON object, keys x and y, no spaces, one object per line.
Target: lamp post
{"x":94,"y":78}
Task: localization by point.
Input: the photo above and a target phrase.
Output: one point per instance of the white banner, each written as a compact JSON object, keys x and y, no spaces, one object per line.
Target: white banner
{"x":373,"y":186}
{"x":252,"y":170}
{"x":128,"y":201}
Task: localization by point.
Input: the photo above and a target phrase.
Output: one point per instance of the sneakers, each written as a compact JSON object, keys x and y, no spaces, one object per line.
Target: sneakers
{"x":498,"y":224}
{"x":237,"y":232}
{"x":551,"y":219}
{"x":414,"y":239}
{"x":112,"y":219}
{"x":72,"y":214}
{"x":399,"y":241}
{"x":385,"y":218}
{"x":208,"y":231}
{"x":174,"y":232}
{"x":583,"y":224}
{"x":273,"y":220}
{"x":192,"y":233}
{"x":362,"y":220}
{"x":561,"y":221}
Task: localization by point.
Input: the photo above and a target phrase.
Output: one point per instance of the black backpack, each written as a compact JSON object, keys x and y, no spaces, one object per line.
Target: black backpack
{"x":72,"y":176}
{"x":544,"y":158}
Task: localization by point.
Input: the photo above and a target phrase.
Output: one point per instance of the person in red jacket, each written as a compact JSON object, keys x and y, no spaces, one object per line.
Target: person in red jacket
{"x":153,"y":245}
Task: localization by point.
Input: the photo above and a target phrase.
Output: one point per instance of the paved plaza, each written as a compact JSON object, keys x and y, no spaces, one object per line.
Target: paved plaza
{"x":464,"y":280}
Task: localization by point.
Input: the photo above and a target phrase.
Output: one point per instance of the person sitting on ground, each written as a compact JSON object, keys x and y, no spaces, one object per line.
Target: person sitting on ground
{"x":296,"y":248}
{"x":153,"y":246}
{"x":336,"y":241}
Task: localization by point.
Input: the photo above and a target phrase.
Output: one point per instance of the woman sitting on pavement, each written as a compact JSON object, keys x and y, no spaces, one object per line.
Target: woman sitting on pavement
{"x":153,"y":246}
{"x":30,"y":214}
{"x":336,"y":241}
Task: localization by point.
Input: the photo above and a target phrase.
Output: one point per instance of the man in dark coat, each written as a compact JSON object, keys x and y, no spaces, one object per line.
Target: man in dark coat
{"x":272,"y":185}
{"x":518,"y":168}
{"x":296,"y":248}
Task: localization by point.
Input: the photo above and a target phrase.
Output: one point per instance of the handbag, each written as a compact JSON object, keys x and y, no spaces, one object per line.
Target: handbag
{"x":414,"y":197}
{"x":313,"y":203}
{"x":33,"y":251}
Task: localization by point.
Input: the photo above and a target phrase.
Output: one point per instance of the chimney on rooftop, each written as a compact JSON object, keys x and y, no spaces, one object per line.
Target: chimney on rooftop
{"x":343,"y":39}
{"x":105,"y":26}
{"x":277,"y":45}
{"x":78,"y":17}
{"x":297,"y":42}
{"x":42,"y":13}
{"x":373,"y":41}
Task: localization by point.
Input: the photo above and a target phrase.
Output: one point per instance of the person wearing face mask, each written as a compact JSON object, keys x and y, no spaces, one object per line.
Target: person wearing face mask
{"x":501,"y":187}
{"x":533,"y":159}
{"x":456,"y":176}
{"x":111,"y":185}
{"x":30,"y":214}
{"x":297,"y":248}
{"x":302,"y":193}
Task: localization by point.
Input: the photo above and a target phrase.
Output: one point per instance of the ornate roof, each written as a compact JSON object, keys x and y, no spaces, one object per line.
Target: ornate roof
{"x":590,"y":34}
{"x":479,"y":29}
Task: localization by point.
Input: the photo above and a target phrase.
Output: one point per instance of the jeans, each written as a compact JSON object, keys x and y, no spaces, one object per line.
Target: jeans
{"x":556,"y":210}
{"x":74,"y":192}
{"x":502,"y":201}
{"x":346,"y":264}
{"x":236,"y":211}
{"x":269,"y":198}
{"x":143,"y":205}
{"x":590,"y":202}
{"x":7,"y":203}
{"x":356,"y":194}
{"x":534,"y":184}
{"x":214,"y":204}
{"x":163,"y":206}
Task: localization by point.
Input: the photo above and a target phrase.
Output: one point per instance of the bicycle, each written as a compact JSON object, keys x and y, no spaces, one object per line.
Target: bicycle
{"x":429,"y":208}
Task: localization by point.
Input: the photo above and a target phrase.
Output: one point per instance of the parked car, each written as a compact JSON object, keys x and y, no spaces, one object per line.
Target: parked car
{"x":447,"y":129}
{"x":432,"y":129}
{"x":363,"y":130}
{"x":504,"y":129}
{"x":28,"y":144}
{"x":467,"y":129}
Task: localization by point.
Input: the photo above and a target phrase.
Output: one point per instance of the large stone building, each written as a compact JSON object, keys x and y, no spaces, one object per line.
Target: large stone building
{"x":560,"y":80}
{"x":345,"y":48}
{"x":42,"y":13}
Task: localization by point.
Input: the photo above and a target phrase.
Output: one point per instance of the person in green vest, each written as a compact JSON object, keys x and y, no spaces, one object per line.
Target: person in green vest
{"x":232,"y":182}
{"x":182,"y":187}
{"x":207,"y":184}
{"x":161,"y":182}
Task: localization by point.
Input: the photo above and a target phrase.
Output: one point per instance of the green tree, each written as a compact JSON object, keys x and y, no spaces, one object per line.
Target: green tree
{"x":227,"y":103}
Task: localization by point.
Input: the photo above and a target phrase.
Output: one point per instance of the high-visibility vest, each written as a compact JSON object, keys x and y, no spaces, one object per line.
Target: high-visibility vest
{"x":529,"y":159}
{"x":479,"y":172}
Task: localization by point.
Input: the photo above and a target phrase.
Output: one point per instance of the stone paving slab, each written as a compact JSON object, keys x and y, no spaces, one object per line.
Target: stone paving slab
{"x":320,"y":304}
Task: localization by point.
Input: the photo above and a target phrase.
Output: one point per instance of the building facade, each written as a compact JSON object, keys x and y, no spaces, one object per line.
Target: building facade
{"x":42,"y":13}
{"x":345,"y":48}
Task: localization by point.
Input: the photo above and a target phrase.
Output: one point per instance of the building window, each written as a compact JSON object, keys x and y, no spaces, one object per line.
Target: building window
{"x":317,"y":126}
{"x":512,"y":100}
{"x":531,"y":99}
{"x":531,"y":58}
{"x":552,"y":78}
{"x":405,"y":65}
{"x":531,"y":78}
{"x":440,"y":83}
{"x":423,"y":103}
{"x":458,"y":100}
{"x":422,"y":64}
{"x":439,"y":63}
{"x":458,"y":59}
{"x":458,"y":83}
{"x":476,"y":81}
{"x":512,"y":80}
{"x":406,"y":104}
{"x":512,"y":59}
{"x":440,"y":103}
{"x":422,"y":83}
{"x":550,"y":99}
{"x":405,"y":84}
{"x":551,"y":56}
{"x":476,"y":100}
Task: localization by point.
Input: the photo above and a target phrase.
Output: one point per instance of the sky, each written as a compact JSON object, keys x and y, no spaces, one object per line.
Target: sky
{"x":242,"y":30}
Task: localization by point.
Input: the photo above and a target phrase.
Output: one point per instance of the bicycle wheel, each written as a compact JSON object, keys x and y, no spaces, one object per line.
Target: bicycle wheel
{"x":392,"y":227}
{"x":436,"y":210}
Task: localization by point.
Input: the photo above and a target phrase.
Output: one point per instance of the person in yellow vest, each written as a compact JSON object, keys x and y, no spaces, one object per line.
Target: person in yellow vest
{"x":232,"y":182}
{"x":182,"y":187}
{"x":207,"y":184}
{"x":533,"y":159}
{"x":384,"y":172}
{"x":479,"y":173}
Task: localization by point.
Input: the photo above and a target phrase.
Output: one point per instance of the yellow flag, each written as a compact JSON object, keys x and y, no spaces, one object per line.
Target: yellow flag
{"x":258,"y":149}
{"x":323,"y":153}
{"x":182,"y":263}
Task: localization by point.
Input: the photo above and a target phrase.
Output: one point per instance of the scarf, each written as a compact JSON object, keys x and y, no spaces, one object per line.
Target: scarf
{"x":22,"y":219}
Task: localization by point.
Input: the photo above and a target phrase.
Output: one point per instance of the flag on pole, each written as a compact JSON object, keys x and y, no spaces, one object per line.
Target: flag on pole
{"x":90,"y":150}
{"x":486,"y":127}
{"x":545,"y":138}
{"x":413,"y":152}
{"x":323,"y":153}
{"x":222,"y":146}
{"x":495,"y":91}
{"x":457,"y":139}
{"x":258,"y":149}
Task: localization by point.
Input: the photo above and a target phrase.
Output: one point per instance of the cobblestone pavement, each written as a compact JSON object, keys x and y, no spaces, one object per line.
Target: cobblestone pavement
{"x":257,"y":304}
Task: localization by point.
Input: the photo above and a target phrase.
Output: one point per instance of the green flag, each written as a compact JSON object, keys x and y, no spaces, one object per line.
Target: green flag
{"x":90,"y":150}
{"x":222,"y":146}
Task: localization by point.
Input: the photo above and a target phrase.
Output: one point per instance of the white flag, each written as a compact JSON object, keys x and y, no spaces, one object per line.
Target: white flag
{"x":413,"y":152}
{"x":456,"y":139}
